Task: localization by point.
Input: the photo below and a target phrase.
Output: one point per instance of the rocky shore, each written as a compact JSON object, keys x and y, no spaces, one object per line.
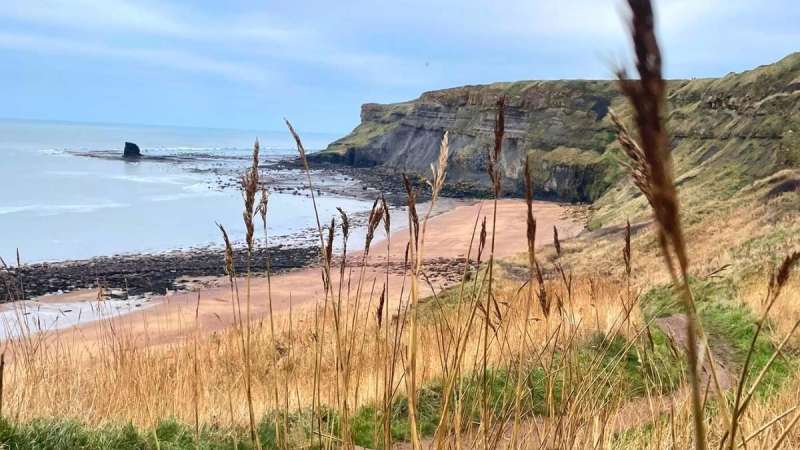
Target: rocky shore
{"x":139,"y":275}
{"x":366,"y":182}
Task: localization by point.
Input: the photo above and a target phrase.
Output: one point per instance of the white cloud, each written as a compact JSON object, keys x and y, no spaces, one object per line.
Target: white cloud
{"x":120,"y":15}
{"x":258,"y":38}
{"x":154,"y":57}
{"x":111,"y":17}
{"x":385,"y":43}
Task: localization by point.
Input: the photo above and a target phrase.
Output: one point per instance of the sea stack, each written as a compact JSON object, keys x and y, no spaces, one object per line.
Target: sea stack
{"x":131,"y":151}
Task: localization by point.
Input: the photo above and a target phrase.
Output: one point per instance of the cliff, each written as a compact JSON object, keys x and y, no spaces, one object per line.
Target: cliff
{"x":740,"y":127}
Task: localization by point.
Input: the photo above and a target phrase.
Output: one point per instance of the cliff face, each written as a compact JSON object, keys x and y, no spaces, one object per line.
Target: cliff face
{"x":744,"y":124}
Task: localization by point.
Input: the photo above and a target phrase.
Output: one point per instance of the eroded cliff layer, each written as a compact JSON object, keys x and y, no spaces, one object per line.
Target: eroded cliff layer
{"x":743,"y":124}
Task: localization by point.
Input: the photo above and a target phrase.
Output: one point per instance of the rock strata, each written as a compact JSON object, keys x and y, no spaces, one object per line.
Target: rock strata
{"x":743,"y":123}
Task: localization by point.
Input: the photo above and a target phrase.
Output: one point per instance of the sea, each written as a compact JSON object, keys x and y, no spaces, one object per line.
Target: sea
{"x":57,"y":204}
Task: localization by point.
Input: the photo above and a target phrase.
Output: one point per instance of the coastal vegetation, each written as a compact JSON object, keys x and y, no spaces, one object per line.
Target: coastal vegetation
{"x":670,"y":323}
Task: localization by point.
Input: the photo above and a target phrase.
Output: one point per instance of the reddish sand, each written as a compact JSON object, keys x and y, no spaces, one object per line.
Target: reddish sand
{"x":171,"y":318}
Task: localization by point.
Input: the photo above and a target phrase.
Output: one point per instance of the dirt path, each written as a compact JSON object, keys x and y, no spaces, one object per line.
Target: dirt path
{"x":675,"y":328}
{"x":536,"y":432}
{"x":170,"y":319}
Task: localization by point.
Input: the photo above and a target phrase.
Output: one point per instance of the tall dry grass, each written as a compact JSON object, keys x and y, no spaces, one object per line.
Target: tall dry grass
{"x":543,"y":354}
{"x":573,"y":401}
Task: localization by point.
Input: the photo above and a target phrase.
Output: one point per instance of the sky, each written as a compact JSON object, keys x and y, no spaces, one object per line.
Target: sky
{"x":246,"y":64}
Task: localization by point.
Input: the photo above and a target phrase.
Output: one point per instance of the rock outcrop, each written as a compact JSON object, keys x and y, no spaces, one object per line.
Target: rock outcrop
{"x":131,"y":151}
{"x":741,"y":124}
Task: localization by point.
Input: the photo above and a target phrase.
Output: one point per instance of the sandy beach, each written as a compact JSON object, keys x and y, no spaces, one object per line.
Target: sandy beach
{"x":170,"y":318}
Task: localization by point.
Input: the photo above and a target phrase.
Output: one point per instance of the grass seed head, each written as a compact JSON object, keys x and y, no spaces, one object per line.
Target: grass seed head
{"x":345,"y":223}
{"x":329,"y":243}
{"x":556,"y":241}
{"x":482,"y":240}
{"x":300,"y":148}
{"x":375,"y":217}
{"x":228,"y":251}
{"x":379,"y":310}
{"x":262,"y":205}
{"x":626,"y":250}
{"x":544,"y":301}
{"x":386,"y":217}
{"x":637,"y":165}
{"x":530,"y":219}
{"x":439,"y":172}
{"x":249,"y":189}
{"x":411,"y":201}
{"x":781,"y":276}
{"x":494,"y":153}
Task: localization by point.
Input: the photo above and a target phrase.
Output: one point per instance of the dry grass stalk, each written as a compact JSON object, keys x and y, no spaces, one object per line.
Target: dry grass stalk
{"x":262,"y":209}
{"x":494,"y":153}
{"x":457,"y":338}
{"x":494,"y":175}
{"x":352,"y":351}
{"x":231,"y":272}
{"x":2,"y":379}
{"x":647,"y":96}
{"x":379,"y":309}
{"x":626,"y":250}
{"x":566,"y":276}
{"x":786,"y":431}
{"x":387,"y":228}
{"x":249,"y":189}
{"x":531,"y":239}
{"x":326,"y":275}
{"x":776,"y":284}
{"x":375,"y":218}
{"x":413,"y":217}
{"x":626,"y":258}
{"x":196,"y":373}
{"x":581,"y":420}
{"x":766,"y":426}
{"x":556,"y":241}
{"x":20,"y":278}
{"x":388,"y":354}
{"x":438,"y":174}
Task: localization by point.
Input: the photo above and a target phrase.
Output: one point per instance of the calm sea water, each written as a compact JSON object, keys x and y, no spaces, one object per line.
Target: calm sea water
{"x":57,"y":206}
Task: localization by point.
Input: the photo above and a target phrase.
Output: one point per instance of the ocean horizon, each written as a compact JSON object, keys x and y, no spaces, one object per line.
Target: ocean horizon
{"x":60,"y":204}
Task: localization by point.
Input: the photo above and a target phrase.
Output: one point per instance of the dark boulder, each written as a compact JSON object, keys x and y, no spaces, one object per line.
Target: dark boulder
{"x":131,"y":151}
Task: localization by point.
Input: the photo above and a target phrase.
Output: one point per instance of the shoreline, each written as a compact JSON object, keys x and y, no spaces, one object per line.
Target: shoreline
{"x":155,"y":276}
{"x":171,"y":318}
{"x":137,"y":276}
{"x":140,"y":273}
{"x":30,"y":317}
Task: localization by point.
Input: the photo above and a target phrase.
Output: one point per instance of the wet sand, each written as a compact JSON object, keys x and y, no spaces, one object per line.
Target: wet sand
{"x":170,"y":318}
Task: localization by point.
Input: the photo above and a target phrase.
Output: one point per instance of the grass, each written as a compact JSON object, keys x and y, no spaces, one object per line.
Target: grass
{"x":168,"y":434}
{"x":730,"y":326}
{"x":592,"y":364}
{"x":366,"y":422}
{"x":632,"y":376}
{"x":60,"y":434}
{"x":654,"y":371}
{"x":566,"y":353}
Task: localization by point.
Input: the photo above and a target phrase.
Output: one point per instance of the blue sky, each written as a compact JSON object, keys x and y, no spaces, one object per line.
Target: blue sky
{"x":246,"y":63}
